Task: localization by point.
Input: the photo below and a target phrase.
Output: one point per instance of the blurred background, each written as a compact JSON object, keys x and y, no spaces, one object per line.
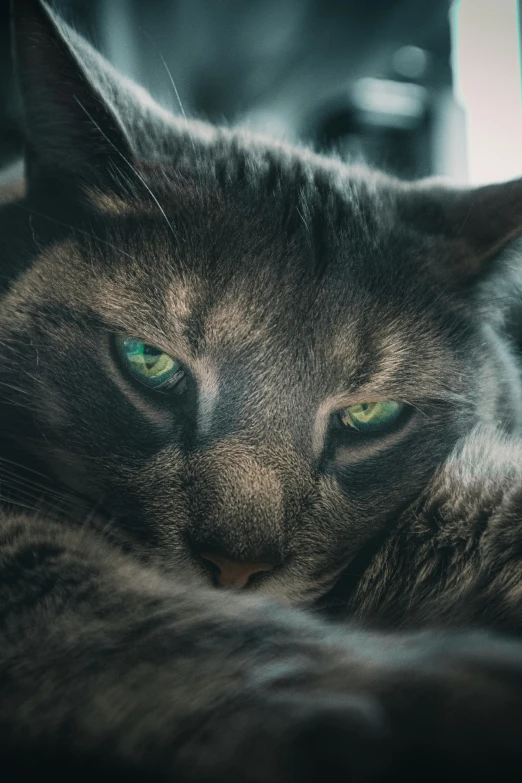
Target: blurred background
{"x":417,"y":87}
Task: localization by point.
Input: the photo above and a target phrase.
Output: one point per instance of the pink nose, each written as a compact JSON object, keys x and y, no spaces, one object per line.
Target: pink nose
{"x":233,"y":573}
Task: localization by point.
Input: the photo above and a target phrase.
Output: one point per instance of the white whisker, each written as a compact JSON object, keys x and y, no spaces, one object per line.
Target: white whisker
{"x":129,"y":164}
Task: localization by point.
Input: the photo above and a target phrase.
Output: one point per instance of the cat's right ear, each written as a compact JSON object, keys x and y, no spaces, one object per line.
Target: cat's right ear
{"x":465,"y":228}
{"x":72,"y":132}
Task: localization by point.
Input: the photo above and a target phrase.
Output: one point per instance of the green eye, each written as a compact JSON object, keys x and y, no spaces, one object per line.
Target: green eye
{"x":147,"y":363}
{"x":371,"y":416}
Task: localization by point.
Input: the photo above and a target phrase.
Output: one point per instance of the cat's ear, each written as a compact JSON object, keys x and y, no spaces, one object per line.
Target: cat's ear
{"x":71,"y":128}
{"x":466,"y":227}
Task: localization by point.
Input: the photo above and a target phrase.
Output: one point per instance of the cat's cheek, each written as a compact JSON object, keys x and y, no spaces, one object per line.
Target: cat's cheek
{"x":56,"y":446}
{"x":73,"y":472}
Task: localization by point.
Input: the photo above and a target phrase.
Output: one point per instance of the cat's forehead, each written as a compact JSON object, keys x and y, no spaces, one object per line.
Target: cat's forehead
{"x":301,"y":281}
{"x":247,"y":313}
{"x":235,"y":233}
{"x":231,"y":262}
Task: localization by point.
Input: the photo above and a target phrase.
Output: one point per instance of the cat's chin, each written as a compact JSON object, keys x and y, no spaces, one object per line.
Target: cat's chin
{"x":299,"y":595}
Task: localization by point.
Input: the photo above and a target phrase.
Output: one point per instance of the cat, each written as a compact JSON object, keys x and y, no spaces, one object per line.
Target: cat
{"x":230,"y":363}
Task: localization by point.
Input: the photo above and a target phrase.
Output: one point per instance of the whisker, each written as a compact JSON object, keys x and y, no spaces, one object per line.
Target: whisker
{"x":23,"y":467}
{"x":129,"y":164}
{"x":75,"y":228}
{"x":180,"y":104}
{"x":176,"y":93}
{"x":20,"y":504}
{"x":15,"y":388}
{"x":15,"y":479}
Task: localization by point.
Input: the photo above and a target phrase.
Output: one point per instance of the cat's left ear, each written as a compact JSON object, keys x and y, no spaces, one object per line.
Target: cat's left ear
{"x":71,"y":129}
{"x":465,"y":228}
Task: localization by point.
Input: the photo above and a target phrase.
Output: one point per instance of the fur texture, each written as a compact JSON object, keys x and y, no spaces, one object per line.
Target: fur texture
{"x":290,"y":286}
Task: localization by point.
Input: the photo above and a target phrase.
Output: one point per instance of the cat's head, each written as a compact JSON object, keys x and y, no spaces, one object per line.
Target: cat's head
{"x":253,"y":356}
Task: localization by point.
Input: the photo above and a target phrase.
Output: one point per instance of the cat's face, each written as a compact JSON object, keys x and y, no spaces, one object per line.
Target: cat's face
{"x":287,"y":290}
{"x":247,"y":454}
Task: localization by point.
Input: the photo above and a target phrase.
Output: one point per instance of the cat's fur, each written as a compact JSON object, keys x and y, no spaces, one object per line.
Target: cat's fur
{"x":290,"y":286}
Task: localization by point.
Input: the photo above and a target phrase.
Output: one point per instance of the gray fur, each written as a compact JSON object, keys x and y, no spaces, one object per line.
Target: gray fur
{"x":290,"y":286}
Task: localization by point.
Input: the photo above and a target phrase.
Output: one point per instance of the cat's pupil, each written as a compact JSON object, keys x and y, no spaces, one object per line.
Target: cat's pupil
{"x":151,"y":355}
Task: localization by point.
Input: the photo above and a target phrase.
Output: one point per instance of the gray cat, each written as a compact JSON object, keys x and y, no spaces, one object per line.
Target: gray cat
{"x":230,"y":363}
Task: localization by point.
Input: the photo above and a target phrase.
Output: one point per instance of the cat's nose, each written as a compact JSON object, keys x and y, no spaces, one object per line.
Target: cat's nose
{"x":232,"y":573}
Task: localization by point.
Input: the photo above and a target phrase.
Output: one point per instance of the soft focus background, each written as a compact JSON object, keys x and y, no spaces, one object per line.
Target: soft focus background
{"x":417,"y":87}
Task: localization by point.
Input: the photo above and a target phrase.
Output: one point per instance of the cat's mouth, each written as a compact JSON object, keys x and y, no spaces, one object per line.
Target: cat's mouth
{"x":288,"y":583}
